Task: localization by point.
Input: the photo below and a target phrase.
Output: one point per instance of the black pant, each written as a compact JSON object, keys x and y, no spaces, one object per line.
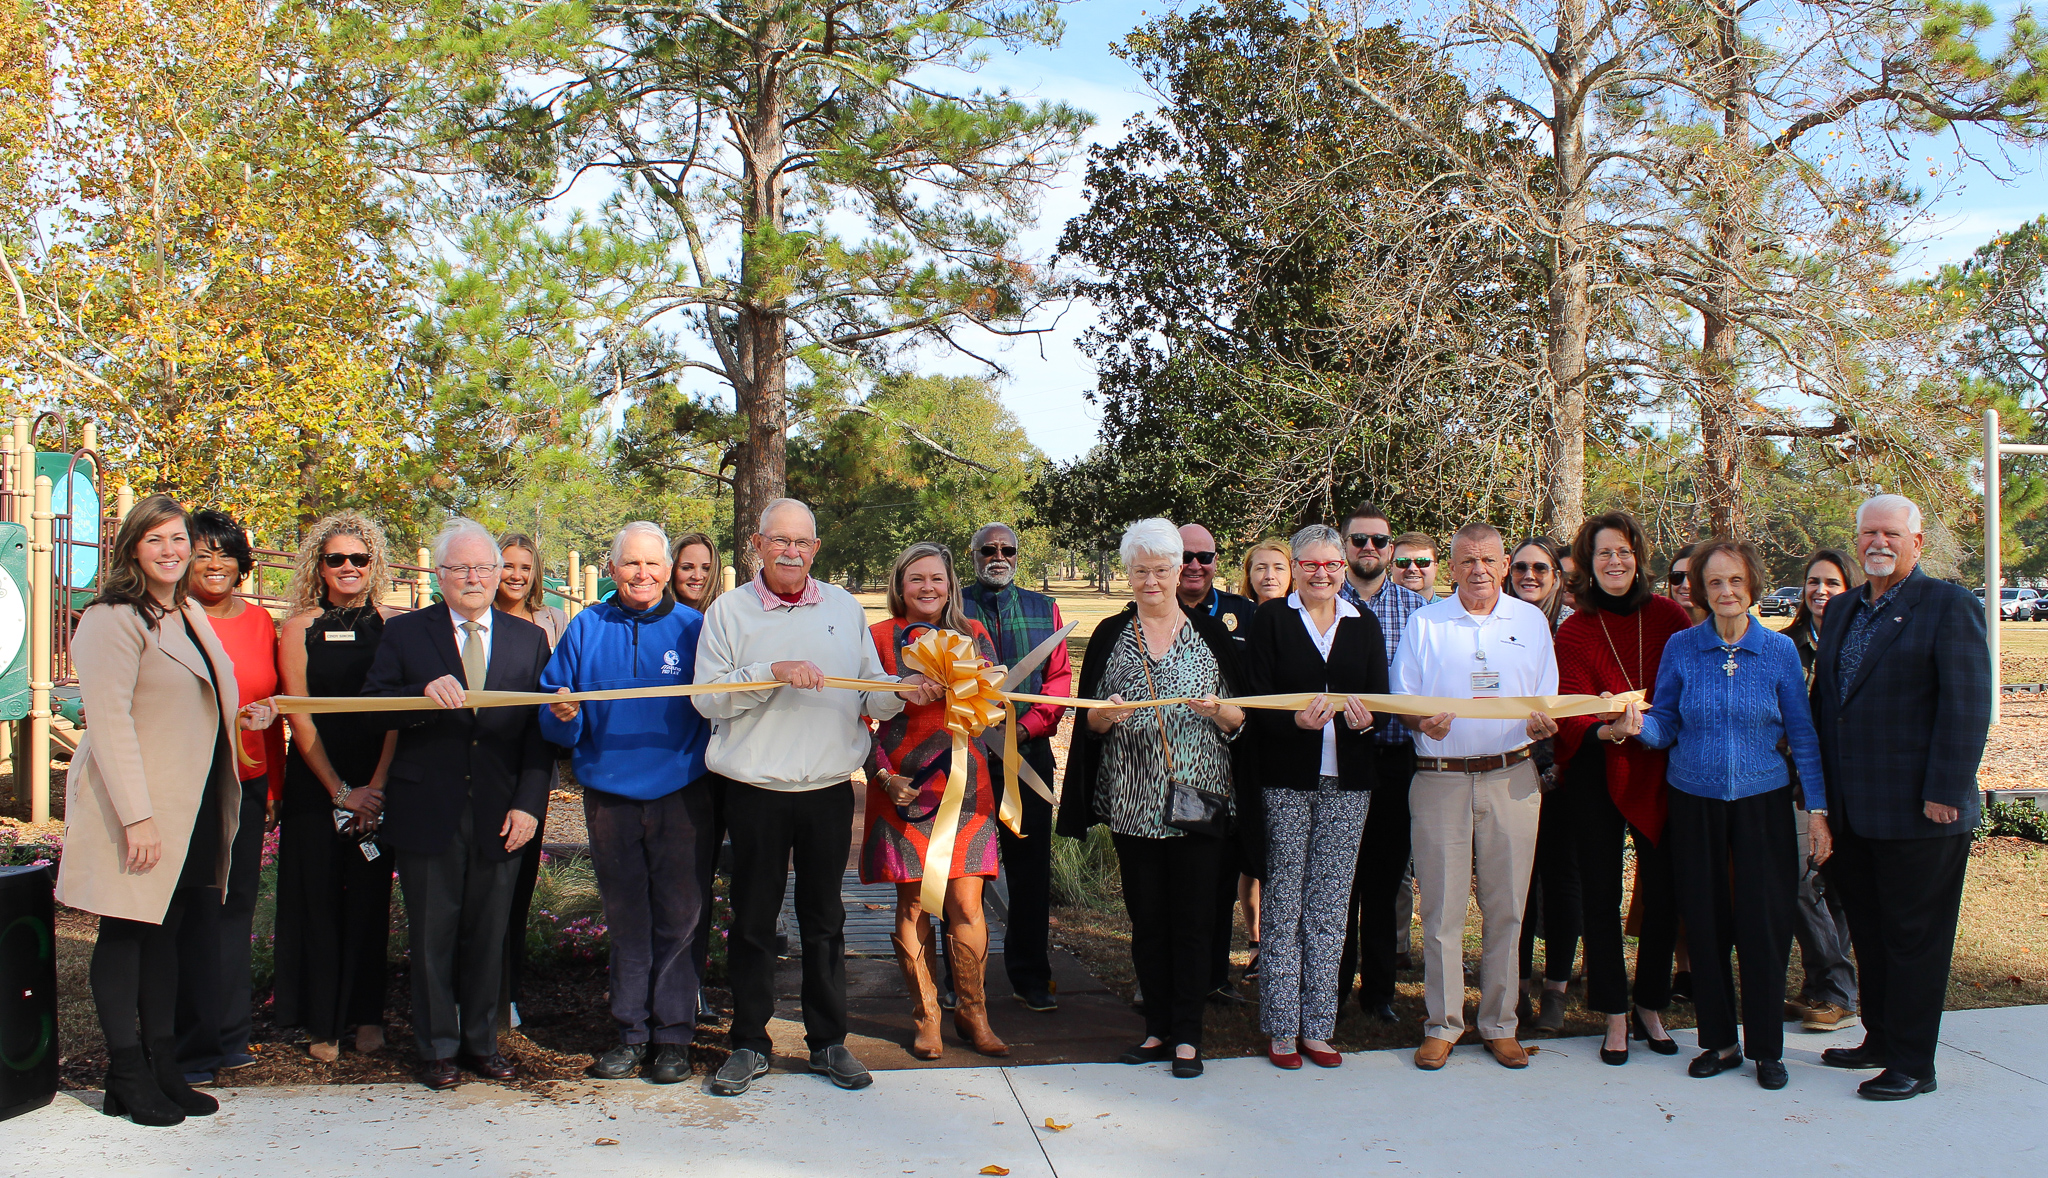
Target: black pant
{"x":214,"y":1008}
{"x":715,"y":789}
{"x":653,"y":872}
{"x":1601,"y":833}
{"x":456,"y":906}
{"x":1169,"y":891}
{"x":1223,"y":911}
{"x":134,"y":973}
{"x":1382,"y":864}
{"x":522,"y":902}
{"x":772,"y":831}
{"x":1027,"y":870}
{"x":1733,"y":869}
{"x":1902,"y":897}
{"x":1553,"y":907}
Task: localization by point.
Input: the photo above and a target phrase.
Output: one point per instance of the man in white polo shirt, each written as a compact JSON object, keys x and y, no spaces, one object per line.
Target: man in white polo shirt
{"x":1474,"y":795}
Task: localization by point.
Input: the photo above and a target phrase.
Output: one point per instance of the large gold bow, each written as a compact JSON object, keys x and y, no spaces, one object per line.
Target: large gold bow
{"x":974,"y":700}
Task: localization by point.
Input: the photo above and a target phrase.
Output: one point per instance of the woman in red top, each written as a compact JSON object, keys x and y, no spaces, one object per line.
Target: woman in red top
{"x":213,"y":942}
{"x":1616,"y":786}
{"x":913,"y":756}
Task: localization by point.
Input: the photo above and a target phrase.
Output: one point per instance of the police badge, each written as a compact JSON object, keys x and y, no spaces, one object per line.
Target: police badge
{"x":1230,"y":621}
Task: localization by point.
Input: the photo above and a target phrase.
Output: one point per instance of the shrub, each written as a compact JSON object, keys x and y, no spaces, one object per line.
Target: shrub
{"x":1084,"y":871}
{"x":37,"y":852}
{"x":2019,"y":818}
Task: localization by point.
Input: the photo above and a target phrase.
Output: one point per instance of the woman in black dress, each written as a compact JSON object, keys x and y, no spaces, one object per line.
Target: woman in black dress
{"x":333,"y":899}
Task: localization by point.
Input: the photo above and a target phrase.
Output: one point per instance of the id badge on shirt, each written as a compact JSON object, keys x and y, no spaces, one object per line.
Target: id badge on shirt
{"x":1485,"y":684}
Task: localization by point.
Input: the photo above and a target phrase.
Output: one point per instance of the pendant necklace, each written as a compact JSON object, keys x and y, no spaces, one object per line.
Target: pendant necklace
{"x":1626,"y":680}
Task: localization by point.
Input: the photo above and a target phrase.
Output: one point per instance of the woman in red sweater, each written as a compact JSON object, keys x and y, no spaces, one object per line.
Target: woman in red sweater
{"x":1614,"y":784}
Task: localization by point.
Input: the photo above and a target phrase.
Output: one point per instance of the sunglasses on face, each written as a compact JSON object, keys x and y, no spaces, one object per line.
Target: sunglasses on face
{"x":335,"y":560}
{"x":991,"y":551}
{"x":1376,"y":540}
{"x":1419,"y":562}
{"x":1198,"y":558}
{"x":1525,"y":566}
{"x":1677,"y":577}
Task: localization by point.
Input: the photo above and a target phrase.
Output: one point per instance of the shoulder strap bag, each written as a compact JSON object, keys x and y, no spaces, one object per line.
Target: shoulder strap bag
{"x":1189,"y":808}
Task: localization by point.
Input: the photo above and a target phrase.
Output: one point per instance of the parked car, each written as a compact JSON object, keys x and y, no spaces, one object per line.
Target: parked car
{"x":1781,"y":604}
{"x":2017,"y":605}
{"x":2041,"y":608}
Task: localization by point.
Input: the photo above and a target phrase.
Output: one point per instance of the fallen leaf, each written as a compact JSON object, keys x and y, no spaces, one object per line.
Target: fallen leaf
{"x":606,"y":1141}
{"x":878,"y":907}
{"x":1057,"y":1128}
{"x":993,"y":1170}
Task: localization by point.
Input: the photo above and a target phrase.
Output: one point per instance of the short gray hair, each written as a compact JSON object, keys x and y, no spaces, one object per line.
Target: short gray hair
{"x":1312,"y":535}
{"x":1150,"y":537}
{"x":640,"y":527}
{"x":1890,"y":503}
{"x":985,"y":529}
{"x":457,"y":528}
{"x":775,"y":505}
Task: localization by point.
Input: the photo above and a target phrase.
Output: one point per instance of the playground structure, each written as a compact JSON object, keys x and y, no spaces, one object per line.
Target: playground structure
{"x":55,"y":526}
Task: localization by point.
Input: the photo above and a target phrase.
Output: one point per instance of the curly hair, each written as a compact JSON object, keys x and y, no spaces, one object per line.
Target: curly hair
{"x":306,"y":589}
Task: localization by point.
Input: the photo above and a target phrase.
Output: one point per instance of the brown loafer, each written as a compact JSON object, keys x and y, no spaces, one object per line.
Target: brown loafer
{"x":439,"y":1073}
{"x":1508,"y":1052}
{"x":490,"y":1067}
{"x":1433,"y":1054}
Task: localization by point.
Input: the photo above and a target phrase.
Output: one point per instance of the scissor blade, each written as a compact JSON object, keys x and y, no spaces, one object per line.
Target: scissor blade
{"x":1043,"y":651}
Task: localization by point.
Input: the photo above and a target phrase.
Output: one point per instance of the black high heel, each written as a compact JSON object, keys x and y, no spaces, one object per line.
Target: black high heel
{"x":1614,"y":1058}
{"x":1664,"y":1046}
{"x":131,"y":1090}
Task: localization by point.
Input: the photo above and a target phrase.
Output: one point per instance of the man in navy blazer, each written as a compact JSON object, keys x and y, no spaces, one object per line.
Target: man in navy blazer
{"x":1902,"y":701}
{"x":466,"y":788}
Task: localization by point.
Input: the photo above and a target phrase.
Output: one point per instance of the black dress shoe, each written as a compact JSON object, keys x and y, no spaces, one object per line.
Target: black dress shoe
{"x":1893,"y":1084}
{"x":1771,"y":1074}
{"x":1157,"y":1053}
{"x":1712,"y":1063}
{"x":1860,"y":1056}
{"x":439,"y":1073}
{"x":619,"y":1062}
{"x":1187,"y":1069}
{"x":490,"y":1067}
{"x":1384,"y":1012}
{"x":671,"y":1063}
{"x":1636,"y":1029}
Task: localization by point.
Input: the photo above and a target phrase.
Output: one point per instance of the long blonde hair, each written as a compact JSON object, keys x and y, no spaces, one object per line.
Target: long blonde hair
{"x":953,"y":617}
{"x":306,"y":588}
{"x":713,"y":584}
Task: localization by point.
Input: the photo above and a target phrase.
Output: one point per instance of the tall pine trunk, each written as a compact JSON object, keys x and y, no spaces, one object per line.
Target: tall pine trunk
{"x":1570,"y":296}
{"x":1720,"y":406}
{"x":761,"y":384}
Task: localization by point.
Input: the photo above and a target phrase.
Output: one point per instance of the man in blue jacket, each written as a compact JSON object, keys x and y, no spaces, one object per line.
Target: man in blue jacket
{"x":650,"y":815}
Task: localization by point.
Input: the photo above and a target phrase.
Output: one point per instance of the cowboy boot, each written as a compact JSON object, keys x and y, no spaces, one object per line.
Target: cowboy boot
{"x":969,"y":953}
{"x":924,"y":996}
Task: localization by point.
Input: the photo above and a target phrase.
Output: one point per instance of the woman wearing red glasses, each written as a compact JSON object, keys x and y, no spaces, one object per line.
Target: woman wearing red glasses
{"x":1317,"y":770}
{"x":333,"y":897}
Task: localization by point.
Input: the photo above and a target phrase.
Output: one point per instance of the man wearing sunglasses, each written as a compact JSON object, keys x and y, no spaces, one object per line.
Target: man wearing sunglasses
{"x":1415,"y":563}
{"x":1019,"y":620}
{"x":1199,"y":594}
{"x":1383,"y":848}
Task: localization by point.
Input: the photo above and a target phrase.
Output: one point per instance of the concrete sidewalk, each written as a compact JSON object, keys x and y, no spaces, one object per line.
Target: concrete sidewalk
{"x":1567,"y":1115}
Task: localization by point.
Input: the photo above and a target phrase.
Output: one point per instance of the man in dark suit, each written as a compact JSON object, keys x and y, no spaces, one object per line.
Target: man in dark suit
{"x":1902,"y":701}
{"x":466,"y":787}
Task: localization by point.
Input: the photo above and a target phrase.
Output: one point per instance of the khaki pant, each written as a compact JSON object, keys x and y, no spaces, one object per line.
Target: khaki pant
{"x":1457,"y":820}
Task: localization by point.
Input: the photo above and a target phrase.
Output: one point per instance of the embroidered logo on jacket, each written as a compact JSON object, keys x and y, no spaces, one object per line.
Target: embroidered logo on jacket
{"x":671,"y":663}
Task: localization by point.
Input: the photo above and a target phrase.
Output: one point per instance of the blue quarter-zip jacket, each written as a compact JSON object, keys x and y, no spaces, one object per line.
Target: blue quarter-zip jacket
{"x":1723,"y":729}
{"x":636,"y":748}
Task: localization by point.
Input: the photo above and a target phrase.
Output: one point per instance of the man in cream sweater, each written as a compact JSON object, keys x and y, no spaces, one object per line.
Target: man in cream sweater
{"x":788,"y":754}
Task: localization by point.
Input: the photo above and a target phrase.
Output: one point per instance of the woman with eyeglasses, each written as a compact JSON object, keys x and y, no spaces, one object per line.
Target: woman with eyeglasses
{"x":1613,"y":787}
{"x":1536,"y":575}
{"x":907,"y":774}
{"x":1317,"y":768}
{"x":333,"y":884}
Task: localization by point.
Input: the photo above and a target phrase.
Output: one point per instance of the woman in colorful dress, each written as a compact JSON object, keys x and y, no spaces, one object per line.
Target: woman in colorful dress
{"x":906,"y":780}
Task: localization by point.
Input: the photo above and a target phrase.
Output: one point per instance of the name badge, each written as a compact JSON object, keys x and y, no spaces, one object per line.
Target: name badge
{"x":1485,"y":684}
{"x":340,"y":635}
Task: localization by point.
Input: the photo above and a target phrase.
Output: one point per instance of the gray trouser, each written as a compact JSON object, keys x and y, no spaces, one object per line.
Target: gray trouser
{"x":1311,"y":855}
{"x":456,"y":906}
{"x":1823,"y":931}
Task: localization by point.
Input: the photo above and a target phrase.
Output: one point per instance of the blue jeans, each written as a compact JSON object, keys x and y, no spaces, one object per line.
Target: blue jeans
{"x":653,"y":861}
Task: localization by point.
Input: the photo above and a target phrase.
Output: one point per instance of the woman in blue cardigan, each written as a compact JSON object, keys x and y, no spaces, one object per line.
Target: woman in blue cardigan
{"x":1728,"y":690}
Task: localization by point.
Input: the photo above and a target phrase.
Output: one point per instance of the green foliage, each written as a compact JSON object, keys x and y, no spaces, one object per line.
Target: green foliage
{"x":2014,"y":819}
{"x":1085,"y":872}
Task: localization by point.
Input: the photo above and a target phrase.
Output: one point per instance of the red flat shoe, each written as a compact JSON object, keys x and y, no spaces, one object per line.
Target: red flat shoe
{"x":1291,"y":1061}
{"x":1322,"y":1059}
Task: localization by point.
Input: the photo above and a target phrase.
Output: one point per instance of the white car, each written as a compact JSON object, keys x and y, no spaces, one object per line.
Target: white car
{"x":2017,"y":605}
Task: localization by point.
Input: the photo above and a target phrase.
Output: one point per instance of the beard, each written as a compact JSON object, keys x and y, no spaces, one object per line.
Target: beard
{"x":997,"y":575}
{"x":1880,"y":562}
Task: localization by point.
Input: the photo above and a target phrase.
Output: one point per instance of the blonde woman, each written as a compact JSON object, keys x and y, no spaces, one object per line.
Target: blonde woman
{"x":1267,"y":573}
{"x":695,"y":577}
{"x":333,"y":898}
{"x":522,"y":593}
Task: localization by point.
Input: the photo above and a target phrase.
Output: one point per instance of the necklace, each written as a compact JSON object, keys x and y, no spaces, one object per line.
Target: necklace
{"x":1626,"y":680}
{"x":1730,"y":647}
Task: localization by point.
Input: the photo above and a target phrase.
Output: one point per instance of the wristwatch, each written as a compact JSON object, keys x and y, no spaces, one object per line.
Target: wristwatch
{"x":1822,"y":813}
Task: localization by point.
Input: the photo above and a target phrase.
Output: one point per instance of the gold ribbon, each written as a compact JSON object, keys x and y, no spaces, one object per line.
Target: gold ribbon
{"x":974,"y":700}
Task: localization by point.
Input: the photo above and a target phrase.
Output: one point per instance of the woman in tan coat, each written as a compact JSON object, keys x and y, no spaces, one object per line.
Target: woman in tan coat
{"x":147,"y":833}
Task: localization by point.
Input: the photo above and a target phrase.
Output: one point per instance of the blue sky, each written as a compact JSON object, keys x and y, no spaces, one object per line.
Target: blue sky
{"x":1049,"y":377}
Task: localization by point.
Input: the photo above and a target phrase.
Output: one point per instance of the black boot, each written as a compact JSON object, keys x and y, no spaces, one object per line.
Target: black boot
{"x":131,"y":1090}
{"x":170,"y":1080}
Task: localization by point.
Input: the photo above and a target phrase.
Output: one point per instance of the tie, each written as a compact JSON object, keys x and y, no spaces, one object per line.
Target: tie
{"x":473,"y":656}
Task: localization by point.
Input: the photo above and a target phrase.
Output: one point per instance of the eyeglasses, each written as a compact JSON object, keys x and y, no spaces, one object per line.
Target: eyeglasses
{"x":1376,"y":540}
{"x":1198,"y":558}
{"x":1420,"y":562}
{"x":1006,"y":551}
{"x":335,"y":560}
{"x":1526,"y":566}
{"x":1326,"y":566}
{"x":801,"y":544}
{"x":472,"y":572}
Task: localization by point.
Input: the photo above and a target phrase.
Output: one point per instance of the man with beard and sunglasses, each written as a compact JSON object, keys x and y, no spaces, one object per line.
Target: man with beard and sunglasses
{"x":1245,"y":851}
{"x":1902,"y":703}
{"x":1382,"y":870}
{"x":1019,"y":620}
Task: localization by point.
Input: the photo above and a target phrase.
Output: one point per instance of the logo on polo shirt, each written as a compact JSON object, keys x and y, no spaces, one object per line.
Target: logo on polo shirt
{"x":671,"y":663}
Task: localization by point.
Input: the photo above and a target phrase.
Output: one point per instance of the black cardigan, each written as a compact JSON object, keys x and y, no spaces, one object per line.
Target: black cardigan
{"x":1084,"y":756}
{"x":1281,"y":659}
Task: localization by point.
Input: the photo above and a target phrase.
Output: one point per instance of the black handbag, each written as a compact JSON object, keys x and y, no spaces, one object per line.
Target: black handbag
{"x":1189,"y":808}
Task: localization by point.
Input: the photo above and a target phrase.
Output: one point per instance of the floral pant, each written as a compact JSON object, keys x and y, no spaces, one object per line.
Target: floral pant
{"x":1311,"y":855}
